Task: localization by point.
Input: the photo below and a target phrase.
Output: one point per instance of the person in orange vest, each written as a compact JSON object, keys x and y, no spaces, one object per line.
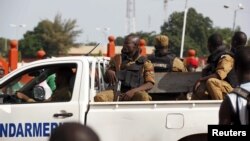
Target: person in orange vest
{"x":191,"y":62}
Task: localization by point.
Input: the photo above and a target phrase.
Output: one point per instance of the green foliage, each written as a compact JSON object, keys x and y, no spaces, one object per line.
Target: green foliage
{"x":56,"y":37}
{"x":119,"y":41}
{"x":31,"y":43}
{"x":197,"y":31}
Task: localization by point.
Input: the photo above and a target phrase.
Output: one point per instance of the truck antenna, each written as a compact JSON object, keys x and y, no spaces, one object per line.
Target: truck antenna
{"x":92,"y":49}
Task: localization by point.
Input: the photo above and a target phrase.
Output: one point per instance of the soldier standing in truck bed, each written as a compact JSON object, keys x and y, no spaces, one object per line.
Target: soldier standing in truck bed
{"x":133,"y":71}
{"x":163,"y":60}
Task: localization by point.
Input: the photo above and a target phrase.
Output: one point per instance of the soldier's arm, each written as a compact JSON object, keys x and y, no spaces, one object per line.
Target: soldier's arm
{"x":224,"y":66}
{"x":178,"y":66}
{"x":149,"y":76}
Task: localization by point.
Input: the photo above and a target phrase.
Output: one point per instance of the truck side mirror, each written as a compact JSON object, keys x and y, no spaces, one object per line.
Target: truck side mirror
{"x":39,"y":93}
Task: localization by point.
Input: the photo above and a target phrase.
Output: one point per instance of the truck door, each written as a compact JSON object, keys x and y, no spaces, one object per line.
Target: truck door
{"x":22,"y":120}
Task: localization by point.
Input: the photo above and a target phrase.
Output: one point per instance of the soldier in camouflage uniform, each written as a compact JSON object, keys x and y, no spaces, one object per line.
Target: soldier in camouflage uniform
{"x":133,"y":71}
{"x":163,"y":60}
{"x":218,"y":77}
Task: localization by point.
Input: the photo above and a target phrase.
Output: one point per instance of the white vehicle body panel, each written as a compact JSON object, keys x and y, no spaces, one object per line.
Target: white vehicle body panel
{"x":113,"y":121}
{"x":38,"y":118}
{"x":148,"y":121}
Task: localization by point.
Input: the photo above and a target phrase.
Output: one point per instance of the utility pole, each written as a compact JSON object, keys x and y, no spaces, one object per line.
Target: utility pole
{"x":184,"y":29}
{"x":240,"y":7}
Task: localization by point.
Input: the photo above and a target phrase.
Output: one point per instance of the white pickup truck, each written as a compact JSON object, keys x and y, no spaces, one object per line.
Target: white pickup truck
{"x":168,"y":120}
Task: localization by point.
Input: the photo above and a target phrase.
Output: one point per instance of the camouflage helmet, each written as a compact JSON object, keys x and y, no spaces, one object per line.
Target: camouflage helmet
{"x":161,"y":40}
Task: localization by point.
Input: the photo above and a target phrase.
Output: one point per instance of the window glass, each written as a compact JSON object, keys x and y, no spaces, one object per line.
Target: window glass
{"x":53,"y":83}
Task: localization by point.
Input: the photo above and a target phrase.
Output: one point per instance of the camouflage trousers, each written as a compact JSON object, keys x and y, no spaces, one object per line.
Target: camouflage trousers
{"x":109,"y":96}
{"x":213,"y":88}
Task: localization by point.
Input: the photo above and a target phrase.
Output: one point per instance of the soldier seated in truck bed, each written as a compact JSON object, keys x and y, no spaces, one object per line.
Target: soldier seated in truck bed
{"x":164,"y":61}
{"x":218,"y":76}
{"x":135,"y":74}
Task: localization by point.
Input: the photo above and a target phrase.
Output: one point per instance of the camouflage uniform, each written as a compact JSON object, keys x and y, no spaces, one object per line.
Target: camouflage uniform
{"x":215,"y":88}
{"x":167,"y":62}
{"x":116,"y":65}
{"x":178,"y":66}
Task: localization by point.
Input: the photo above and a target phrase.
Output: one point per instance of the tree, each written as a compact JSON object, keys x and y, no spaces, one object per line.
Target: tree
{"x":31,"y":43}
{"x":56,"y":37}
{"x":197,"y":31}
{"x":119,"y":41}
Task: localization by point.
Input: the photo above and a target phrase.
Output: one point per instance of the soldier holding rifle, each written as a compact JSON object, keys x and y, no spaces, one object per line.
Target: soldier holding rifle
{"x":133,"y":72}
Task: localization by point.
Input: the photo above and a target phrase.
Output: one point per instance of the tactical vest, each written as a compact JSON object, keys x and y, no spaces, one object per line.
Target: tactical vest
{"x":162,"y":64}
{"x":213,"y":61}
{"x":131,"y":74}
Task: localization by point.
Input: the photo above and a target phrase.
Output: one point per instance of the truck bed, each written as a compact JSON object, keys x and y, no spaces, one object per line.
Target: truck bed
{"x":169,"y":86}
{"x":168,"y":120}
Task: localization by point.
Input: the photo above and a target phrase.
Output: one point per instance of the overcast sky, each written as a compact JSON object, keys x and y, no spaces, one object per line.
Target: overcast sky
{"x":92,"y":14}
